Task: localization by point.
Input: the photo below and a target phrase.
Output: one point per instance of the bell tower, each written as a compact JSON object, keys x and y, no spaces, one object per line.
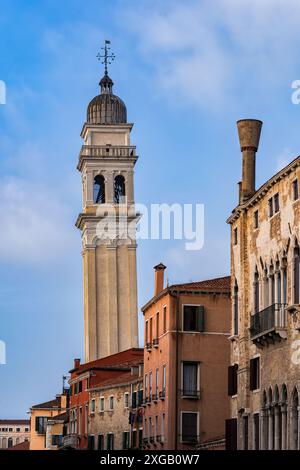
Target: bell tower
{"x":108,"y":225}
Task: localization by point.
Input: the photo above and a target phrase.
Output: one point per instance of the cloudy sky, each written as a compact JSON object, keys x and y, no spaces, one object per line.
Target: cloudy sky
{"x":187,"y":70}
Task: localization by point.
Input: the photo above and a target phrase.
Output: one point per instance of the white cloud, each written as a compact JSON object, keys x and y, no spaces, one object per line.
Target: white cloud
{"x":202,"y":51}
{"x":35,"y":225}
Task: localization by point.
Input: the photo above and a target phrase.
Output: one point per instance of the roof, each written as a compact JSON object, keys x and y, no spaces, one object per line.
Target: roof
{"x":218,"y":284}
{"x":48,"y":404}
{"x":22,"y":446}
{"x":122,"y":360}
{"x":15,"y":421}
{"x":62,"y":417}
{"x":264,"y":188}
{"x":122,"y":379}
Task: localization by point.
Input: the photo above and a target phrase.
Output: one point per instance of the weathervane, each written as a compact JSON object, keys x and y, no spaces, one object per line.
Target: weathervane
{"x":107,"y":57}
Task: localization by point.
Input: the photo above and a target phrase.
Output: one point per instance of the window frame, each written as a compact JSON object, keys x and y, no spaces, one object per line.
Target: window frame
{"x":183,"y":441}
{"x":200,"y":328}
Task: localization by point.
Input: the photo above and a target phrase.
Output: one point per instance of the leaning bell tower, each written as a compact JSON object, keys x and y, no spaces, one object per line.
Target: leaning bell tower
{"x":108,"y":224}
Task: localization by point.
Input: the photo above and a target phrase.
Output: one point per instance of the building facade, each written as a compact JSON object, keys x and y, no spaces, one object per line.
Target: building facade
{"x":108,"y":225}
{"x":264,"y":375}
{"x":84,"y":424}
{"x":116,"y":413}
{"x":13,"y":432}
{"x":185,"y":363}
{"x":40,"y":415}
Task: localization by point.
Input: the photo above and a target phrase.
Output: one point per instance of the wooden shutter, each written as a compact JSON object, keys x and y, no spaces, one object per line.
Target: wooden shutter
{"x":200,"y":318}
{"x":231,"y":434}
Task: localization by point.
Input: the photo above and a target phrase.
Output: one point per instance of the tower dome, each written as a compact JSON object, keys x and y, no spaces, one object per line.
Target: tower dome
{"x":106,"y":108}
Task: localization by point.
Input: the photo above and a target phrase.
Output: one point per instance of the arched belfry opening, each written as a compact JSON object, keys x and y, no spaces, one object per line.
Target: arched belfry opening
{"x":99,"y":189}
{"x":120,"y":191}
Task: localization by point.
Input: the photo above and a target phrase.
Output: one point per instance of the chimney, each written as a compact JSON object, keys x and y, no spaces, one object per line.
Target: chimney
{"x":76,"y":363}
{"x":159,"y":278}
{"x":249,"y":134}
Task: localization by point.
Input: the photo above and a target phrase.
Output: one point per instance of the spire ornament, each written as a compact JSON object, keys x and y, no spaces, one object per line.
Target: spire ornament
{"x":107,"y":57}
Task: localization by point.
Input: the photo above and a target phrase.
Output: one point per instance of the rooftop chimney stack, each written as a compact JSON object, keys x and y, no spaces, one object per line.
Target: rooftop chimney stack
{"x":76,"y":363}
{"x":159,"y":278}
{"x":249,"y":133}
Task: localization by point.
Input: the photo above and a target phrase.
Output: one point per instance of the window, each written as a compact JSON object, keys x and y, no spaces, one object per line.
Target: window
{"x":163,"y":418}
{"x":150,"y":385}
{"x":278,"y":287}
{"x":126,"y":400}
{"x":92,"y":406}
{"x":80,"y":421}
{"x":80,"y":387}
{"x":256,"y":292}
{"x":91,"y":442}
{"x":256,"y":431}
{"x":134,"y":439}
{"x":245,"y":432}
{"x":126,"y":440}
{"x":40,"y":424}
{"x":165,"y":319}
{"x":235,"y":236}
{"x":255,"y":219}
{"x":150,"y":332}
{"x":254,"y":373}
{"x":146,"y":385}
{"x":100,"y":442}
{"x":10,"y":442}
{"x":270,"y":203}
{"x":119,"y":189}
{"x":232,"y":380}
{"x":110,"y":441}
{"x":276,"y":203}
{"x":189,"y":427}
{"x":164,"y":377}
{"x":190,"y":379}
{"x":57,"y":440}
{"x":156,"y":427}
{"x":284,"y":285}
{"x":296,"y":274}
{"x":235,"y":309}
{"x":133,"y":400}
{"x":26,"y":429}
{"x":295,"y":190}
{"x":156,"y":383}
{"x":146,"y":332}
{"x":18,"y":429}
{"x":140,"y":397}
{"x":99,"y":189}
{"x":193,"y":318}
{"x":111,"y":403}
{"x":140,"y":438}
{"x":157,"y":325}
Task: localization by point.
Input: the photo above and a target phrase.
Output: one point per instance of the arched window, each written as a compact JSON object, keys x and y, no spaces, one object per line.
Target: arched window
{"x":10,"y":442}
{"x":236,"y":308}
{"x":296,"y":273}
{"x":119,"y":189}
{"x":295,"y":420}
{"x":4,"y":443}
{"x":99,"y":189}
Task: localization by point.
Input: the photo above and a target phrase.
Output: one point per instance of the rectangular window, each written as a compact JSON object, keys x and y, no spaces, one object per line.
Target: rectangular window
{"x":256,"y":431}
{"x":236,"y":310}
{"x":190,"y":379}
{"x":150,"y":428}
{"x":254,"y":373}
{"x":164,"y":378}
{"x":133,"y":400}
{"x":156,"y":427}
{"x":18,"y":429}
{"x":140,"y":397}
{"x":110,"y":441}
{"x":100,"y":442}
{"x":146,"y":332}
{"x":235,"y":236}
{"x":101,"y":404}
{"x":296,"y":276}
{"x":150,"y":386}
{"x":295,"y":190}
{"x":111,"y":403}
{"x":41,"y":424}
{"x":245,"y":432}
{"x":255,"y":217}
{"x":146,"y":386}
{"x":157,"y":383}
{"x":276,"y":203}
{"x":126,"y":400}
{"x":150,"y":332}
{"x":126,"y":439}
{"x":92,"y":406}
{"x":189,"y":427}
{"x":270,"y":203}
{"x":193,"y":318}
{"x":140,"y":438}
{"x":80,"y":387}
{"x":57,"y":440}
{"x":165,"y":319}
{"x":232,"y":379}
{"x":91,"y":442}
{"x":157,"y":325}
{"x":284,"y":285}
{"x":134,"y":439}
{"x":163,"y":418}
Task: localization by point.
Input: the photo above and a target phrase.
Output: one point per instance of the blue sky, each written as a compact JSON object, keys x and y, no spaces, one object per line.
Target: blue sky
{"x":186,"y":71}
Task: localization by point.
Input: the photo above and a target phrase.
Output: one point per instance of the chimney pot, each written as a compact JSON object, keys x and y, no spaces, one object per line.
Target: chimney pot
{"x":159,"y":278}
{"x":76,"y":363}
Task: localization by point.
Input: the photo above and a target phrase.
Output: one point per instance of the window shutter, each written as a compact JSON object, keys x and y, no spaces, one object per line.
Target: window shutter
{"x":200,"y":319}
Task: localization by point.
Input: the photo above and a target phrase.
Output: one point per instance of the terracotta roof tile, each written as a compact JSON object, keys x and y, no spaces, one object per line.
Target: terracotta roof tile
{"x":48,"y":404}
{"x":22,"y":422}
{"x":123,"y":360}
{"x":22,"y":446}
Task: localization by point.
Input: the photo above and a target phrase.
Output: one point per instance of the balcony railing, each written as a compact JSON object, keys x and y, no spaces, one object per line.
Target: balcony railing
{"x":190,"y":393}
{"x":162,"y":394}
{"x":70,"y":440}
{"x":269,"y":324}
{"x":149,"y":347}
{"x":160,"y":439}
{"x":155,"y":342}
{"x":107,"y":151}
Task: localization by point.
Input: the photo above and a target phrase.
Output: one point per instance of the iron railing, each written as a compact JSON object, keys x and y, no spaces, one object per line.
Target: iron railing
{"x":270,"y":318}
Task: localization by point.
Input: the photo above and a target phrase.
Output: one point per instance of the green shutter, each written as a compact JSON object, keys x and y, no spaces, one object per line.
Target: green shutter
{"x":200,"y":319}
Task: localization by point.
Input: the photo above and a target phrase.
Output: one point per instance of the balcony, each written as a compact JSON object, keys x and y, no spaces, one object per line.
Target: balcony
{"x":162,"y":394}
{"x":108,"y":151}
{"x":160,"y":439}
{"x":269,"y":325}
{"x":70,"y":440}
{"x":155,"y":342}
{"x":149,"y":347}
{"x":145,"y":441}
{"x":192,"y":394}
{"x":152,"y":440}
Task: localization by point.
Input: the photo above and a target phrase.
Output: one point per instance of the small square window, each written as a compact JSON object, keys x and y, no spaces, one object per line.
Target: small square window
{"x":295,"y":190}
{"x":255,"y":218}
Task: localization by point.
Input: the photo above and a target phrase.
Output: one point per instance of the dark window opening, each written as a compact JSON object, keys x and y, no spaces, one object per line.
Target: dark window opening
{"x":232,"y":380}
{"x":295,"y":190}
{"x":190,"y":379}
{"x":276,"y":203}
{"x":189,"y":427}
{"x":254,"y":373}
{"x":255,"y":219}
{"x":99,"y":190}
{"x":193,"y":318}
{"x":270,"y":202}
{"x":41,"y":424}
{"x":235,"y":236}
{"x":235,"y":309}
{"x":245,"y":432}
{"x":110,"y":441}
{"x":100,"y":442}
{"x":119,"y":189}
{"x":296,"y":274}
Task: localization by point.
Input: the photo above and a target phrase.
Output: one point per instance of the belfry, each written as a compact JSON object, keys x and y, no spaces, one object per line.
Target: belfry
{"x":108,"y":224}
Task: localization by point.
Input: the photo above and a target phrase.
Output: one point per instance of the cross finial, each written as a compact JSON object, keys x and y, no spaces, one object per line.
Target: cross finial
{"x":106,"y":57}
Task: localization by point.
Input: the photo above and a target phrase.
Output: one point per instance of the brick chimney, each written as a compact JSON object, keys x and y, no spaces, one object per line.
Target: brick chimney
{"x":249,"y":133}
{"x":159,"y":278}
{"x":76,"y":363}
